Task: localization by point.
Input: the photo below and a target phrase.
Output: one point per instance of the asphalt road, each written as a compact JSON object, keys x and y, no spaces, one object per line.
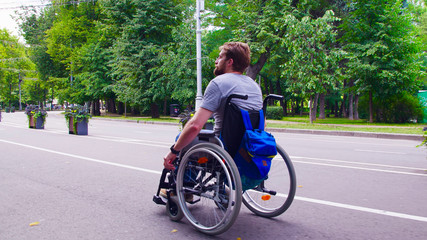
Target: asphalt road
{"x":100,"y":186}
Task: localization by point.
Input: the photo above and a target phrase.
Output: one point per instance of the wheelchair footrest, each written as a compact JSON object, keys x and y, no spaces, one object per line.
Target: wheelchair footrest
{"x":158,"y":200}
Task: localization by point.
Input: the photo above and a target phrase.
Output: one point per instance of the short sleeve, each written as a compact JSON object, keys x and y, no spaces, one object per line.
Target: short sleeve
{"x":212,"y":97}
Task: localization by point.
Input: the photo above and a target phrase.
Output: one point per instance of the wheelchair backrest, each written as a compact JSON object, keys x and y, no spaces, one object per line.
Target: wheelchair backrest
{"x":233,"y":128}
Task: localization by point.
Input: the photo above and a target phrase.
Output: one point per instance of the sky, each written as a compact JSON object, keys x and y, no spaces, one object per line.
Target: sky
{"x":8,"y":8}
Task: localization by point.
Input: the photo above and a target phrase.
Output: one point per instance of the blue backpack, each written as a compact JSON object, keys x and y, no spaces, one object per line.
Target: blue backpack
{"x":255,"y":153}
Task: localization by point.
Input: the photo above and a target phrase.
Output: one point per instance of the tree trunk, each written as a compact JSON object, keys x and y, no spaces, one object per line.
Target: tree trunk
{"x":343,"y":107}
{"x":310,"y":109}
{"x":337,"y":114}
{"x":253,"y":70}
{"x":266,"y":86}
{"x":120,"y":108}
{"x":356,"y":107}
{"x":111,"y":105}
{"x":371,"y":114}
{"x":316,"y":100}
{"x":293,"y":108}
{"x":165,"y":106}
{"x":302,"y":107}
{"x":95,"y":108}
{"x":155,"y":110}
{"x":350,"y":106}
{"x":322,"y":106}
{"x":313,"y":108}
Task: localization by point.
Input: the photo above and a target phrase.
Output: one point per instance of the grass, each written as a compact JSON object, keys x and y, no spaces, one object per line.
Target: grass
{"x":344,"y":124}
{"x":399,"y":130}
{"x":302,"y":122}
{"x":142,"y":119}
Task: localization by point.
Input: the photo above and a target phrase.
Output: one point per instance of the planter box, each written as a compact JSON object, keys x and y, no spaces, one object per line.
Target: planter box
{"x":36,"y":123}
{"x":81,"y":127}
{"x":32,"y":123}
{"x":39,"y":123}
{"x":70,"y":126}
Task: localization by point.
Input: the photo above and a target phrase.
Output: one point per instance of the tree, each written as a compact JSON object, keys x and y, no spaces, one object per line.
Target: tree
{"x":33,"y":25}
{"x":14,"y":64}
{"x":313,"y":66}
{"x":144,"y":36}
{"x":379,"y":35}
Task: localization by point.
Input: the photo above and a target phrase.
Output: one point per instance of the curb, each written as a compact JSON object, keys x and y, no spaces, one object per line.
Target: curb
{"x":350,"y":134}
{"x":302,"y":131}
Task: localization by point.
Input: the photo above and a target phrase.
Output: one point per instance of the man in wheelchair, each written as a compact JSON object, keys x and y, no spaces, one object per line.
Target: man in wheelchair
{"x":206,"y":165}
{"x":233,"y":60}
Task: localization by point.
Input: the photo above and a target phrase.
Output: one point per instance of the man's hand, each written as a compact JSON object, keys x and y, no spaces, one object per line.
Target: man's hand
{"x":168,"y":161}
{"x":190,"y":131}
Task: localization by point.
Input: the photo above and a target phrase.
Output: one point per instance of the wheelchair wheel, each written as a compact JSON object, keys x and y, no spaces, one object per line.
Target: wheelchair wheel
{"x":173,"y":210}
{"x":275,"y":194}
{"x":209,"y":174}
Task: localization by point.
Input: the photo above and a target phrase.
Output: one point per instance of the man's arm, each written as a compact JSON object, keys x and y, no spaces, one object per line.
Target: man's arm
{"x":190,"y":131}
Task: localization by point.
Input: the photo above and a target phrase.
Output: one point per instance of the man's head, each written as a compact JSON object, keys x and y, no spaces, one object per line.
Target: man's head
{"x":234,"y":57}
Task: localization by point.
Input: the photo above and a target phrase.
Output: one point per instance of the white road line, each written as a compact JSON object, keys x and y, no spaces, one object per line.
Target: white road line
{"x":357,"y":163}
{"x":363,"y":209}
{"x":362,"y":168}
{"x":374,"y":151}
{"x":83,"y":158}
{"x":328,"y":203}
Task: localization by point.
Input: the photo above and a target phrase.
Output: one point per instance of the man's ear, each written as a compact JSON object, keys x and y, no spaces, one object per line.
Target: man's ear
{"x":230,"y":63}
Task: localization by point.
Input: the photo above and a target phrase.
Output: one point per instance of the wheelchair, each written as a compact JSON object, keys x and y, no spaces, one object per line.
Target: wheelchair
{"x":207,"y":188}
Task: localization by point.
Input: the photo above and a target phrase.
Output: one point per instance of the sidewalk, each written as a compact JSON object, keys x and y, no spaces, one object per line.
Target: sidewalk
{"x":304,"y":131}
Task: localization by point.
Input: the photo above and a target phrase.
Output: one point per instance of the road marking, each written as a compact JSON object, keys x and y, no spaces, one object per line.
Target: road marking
{"x":358,"y":163}
{"x":323,"y":202}
{"x":363,"y":209}
{"x":362,"y":168}
{"x":322,"y":138}
{"x":83,"y":158}
{"x":373,"y":151}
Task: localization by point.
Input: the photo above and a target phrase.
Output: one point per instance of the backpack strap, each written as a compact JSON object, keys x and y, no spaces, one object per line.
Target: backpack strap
{"x":246,"y":119}
{"x":261,"y":120}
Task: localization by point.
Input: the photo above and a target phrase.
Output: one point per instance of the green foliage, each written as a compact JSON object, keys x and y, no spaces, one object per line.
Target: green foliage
{"x":36,"y":112}
{"x":402,"y":108}
{"x":313,"y":66}
{"x":380,"y":38}
{"x":274,"y":112}
{"x":78,"y":113}
{"x":14,"y":66}
{"x":146,"y":35}
{"x":142,"y":52}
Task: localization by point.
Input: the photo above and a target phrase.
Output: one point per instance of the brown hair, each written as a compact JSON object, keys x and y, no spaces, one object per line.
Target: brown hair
{"x":239,"y":52}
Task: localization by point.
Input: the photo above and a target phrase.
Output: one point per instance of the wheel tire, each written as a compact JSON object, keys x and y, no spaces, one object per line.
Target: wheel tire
{"x":173,"y":210}
{"x":208,"y":213}
{"x":283,"y":180}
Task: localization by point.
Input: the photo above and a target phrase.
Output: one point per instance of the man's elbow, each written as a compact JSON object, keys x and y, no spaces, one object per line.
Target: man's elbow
{"x":195,"y":126}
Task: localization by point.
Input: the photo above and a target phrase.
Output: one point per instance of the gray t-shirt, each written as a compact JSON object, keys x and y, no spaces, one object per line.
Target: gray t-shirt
{"x":223,"y":86}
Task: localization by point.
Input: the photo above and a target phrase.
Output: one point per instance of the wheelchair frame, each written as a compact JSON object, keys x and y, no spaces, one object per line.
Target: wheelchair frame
{"x":208,"y":173}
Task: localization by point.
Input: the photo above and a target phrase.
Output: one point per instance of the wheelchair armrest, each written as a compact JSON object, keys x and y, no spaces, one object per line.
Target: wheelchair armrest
{"x":206,"y":133}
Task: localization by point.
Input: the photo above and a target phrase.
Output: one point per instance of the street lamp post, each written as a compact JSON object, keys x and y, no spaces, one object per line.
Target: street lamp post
{"x":20,"y":81}
{"x":199,"y":7}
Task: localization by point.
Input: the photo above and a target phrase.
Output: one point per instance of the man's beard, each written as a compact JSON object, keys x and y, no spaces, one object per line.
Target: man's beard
{"x":219,"y":70}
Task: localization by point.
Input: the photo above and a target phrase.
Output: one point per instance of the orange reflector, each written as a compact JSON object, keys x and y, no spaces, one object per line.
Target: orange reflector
{"x":265,"y":197}
{"x":202,"y":160}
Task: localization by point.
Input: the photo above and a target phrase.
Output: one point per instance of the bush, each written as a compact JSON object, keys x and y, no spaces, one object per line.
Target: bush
{"x":401,"y":108}
{"x":274,"y":112}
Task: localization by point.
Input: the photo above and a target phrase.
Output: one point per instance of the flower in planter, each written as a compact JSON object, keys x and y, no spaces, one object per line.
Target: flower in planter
{"x":78,"y":114}
{"x":35,"y":112}
{"x":187,"y":115}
